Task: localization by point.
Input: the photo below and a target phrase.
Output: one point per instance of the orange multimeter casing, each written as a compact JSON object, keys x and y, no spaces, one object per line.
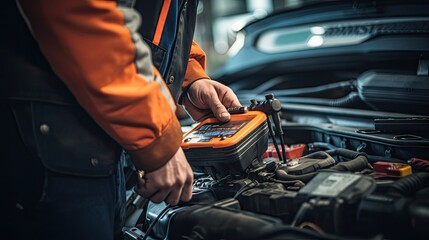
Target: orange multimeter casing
{"x":221,"y":149}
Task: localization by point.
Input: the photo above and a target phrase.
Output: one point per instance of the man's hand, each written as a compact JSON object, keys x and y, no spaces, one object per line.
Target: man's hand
{"x":206,"y":97}
{"x":170,"y":183}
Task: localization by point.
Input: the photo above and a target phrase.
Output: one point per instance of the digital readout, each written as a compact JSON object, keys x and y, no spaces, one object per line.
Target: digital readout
{"x":216,"y":130}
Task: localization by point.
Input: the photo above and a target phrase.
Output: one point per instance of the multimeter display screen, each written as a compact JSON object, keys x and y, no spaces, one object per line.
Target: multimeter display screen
{"x":215,"y":130}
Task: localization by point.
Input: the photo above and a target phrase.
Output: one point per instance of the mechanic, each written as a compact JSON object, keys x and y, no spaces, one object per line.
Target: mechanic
{"x":82,"y":80}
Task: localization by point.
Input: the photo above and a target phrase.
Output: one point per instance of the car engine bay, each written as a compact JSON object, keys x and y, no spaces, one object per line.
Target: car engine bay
{"x":332,"y":142}
{"x":320,"y":182}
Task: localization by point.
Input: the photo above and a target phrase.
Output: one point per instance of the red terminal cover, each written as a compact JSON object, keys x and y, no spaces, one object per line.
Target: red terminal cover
{"x":294,"y":151}
{"x":392,"y":169}
{"x":419,"y":164}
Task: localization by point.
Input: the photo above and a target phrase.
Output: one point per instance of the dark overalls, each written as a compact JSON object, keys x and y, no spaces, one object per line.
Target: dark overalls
{"x":60,"y":172}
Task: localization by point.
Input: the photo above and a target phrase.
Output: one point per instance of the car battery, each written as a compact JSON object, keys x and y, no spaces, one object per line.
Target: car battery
{"x":227,"y":148}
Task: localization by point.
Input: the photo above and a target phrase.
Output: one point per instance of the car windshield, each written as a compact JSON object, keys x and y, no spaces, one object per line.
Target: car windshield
{"x":219,"y":23}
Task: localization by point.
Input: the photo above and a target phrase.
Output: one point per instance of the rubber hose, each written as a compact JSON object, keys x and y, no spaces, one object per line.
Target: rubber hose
{"x":345,"y":153}
{"x":282,"y":175}
{"x":358,"y":164}
{"x":410,"y":184}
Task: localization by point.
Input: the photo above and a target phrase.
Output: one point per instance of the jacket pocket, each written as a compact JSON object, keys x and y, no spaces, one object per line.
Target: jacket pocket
{"x":157,"y":53}
{"x":67,"y":139}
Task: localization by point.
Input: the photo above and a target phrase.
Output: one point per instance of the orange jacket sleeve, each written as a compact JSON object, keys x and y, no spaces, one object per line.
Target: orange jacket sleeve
{"x":196,"y":66}
{"x":94,"y":53}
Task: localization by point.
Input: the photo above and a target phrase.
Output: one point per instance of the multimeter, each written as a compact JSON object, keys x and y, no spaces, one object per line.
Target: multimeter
{"x":227,"y":148}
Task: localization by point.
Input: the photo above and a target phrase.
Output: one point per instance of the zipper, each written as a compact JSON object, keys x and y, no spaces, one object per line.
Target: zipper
{"x":182,"y":9}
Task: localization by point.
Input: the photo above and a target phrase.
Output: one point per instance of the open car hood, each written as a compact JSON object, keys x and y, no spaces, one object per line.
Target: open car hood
{"x":352,"y":80}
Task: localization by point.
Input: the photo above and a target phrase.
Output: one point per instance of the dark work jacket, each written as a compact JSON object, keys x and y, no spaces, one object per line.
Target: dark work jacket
{"x":54,"y":126}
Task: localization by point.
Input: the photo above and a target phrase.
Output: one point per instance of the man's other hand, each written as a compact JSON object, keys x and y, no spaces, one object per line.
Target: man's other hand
{"x":170,"y":183}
